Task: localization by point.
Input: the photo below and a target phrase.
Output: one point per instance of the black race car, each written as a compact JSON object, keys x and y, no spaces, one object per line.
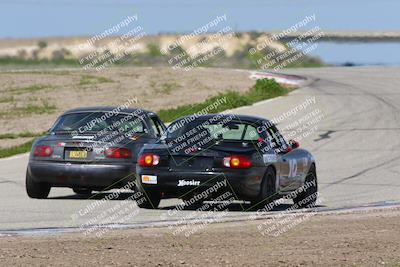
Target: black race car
{"x":241,"y":154}
{"x":90,"y":149}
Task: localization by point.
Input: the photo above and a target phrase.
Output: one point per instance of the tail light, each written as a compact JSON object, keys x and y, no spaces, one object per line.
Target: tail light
{"x":118,"y":153}
{"x":148,"y":160}
{"x":43,"y":151}
{"x":237,"y":162}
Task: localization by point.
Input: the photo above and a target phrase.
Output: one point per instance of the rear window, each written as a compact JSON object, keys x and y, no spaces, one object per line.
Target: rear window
{"x":99,"y":121}
{"x":234,"y":131}
{"x":221,"y":130}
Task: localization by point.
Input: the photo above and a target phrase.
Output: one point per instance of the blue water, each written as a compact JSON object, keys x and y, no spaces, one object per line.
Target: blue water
{"x":43,"y":18}
{"x":359,"y":53}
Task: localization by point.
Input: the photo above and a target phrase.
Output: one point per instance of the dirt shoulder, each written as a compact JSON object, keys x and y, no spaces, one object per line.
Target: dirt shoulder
{"x":30,"y":101}
{"x":367,"y":239}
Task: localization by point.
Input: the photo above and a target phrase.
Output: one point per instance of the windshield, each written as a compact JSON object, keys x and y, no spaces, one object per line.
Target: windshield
{"x":99,"y":121}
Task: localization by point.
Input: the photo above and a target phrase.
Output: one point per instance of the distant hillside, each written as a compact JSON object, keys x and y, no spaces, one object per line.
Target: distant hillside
{"x":208,"y":50}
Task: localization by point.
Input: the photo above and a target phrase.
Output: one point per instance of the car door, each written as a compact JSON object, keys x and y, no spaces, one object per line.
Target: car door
{"x":293,"y":173}
{"x":287,"y":161}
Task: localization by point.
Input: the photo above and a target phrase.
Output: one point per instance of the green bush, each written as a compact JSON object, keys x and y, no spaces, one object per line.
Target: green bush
{"x":34,"y":62}
{"x":19,"y":135}
{"x":7,"y":152}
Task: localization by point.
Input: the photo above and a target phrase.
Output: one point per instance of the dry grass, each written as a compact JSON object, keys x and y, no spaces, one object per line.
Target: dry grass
{"x":31,"y":100}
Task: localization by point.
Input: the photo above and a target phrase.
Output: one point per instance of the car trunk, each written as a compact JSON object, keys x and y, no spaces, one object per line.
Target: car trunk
{"x":204,"y":159}
{"x":82,"y":149}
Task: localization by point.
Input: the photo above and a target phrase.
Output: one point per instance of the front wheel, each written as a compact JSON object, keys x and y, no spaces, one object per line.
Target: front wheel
{"x":307,"y":198}
{"x":35,"y":189}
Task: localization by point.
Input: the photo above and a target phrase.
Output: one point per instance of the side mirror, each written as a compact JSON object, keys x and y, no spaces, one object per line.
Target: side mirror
{"x":294,"y":144}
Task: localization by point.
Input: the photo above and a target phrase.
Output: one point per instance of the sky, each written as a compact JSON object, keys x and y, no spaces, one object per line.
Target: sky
{"x":45,"y":18}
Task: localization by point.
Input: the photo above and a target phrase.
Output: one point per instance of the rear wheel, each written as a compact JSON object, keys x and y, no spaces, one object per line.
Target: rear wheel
{"x":150,"y":200}
{"x":36,"y":189}
{"x":82,"y":191}
{"x":268,"y":192}
{"x":308,"y":197}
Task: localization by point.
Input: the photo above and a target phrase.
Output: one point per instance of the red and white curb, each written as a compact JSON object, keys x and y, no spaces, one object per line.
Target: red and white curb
{"x":286,"y":79}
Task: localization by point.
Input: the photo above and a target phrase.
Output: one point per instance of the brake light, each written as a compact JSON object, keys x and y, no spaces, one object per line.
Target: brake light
{"x":237,"y":162}
{"x":43,"y":151}
{"x":118,"y":153}
{"x":148,"y":160}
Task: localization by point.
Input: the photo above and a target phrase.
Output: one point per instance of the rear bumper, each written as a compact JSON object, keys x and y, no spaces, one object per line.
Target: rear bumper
{"x":245,"y":184}
{"x":96,"y":176}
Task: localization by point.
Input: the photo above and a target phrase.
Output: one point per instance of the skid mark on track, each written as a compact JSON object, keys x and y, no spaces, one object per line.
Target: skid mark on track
{"x":7,"y":181}
{"x":325,"y":135}
{"x":382,"y":164}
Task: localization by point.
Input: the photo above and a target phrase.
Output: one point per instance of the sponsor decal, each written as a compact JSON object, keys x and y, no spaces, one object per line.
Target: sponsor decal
{"x":186,"y":183}
{"x":305,"y":162}
{"x":292,"y":168}
{"x":270,"y":158}
{"x":149,"y":179}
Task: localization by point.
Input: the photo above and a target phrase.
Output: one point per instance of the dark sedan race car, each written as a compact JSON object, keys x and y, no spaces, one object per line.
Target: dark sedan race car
{"x":90,"y":149}
{"x":244,"y":155}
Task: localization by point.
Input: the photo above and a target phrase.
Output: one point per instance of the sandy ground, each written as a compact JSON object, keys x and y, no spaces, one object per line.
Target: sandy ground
{"x":361,"y":239}
{"x":196,"y":45}
{"x":150,"y":88}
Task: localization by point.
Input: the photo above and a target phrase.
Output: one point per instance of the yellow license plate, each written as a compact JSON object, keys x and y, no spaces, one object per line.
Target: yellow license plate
{"x":78,"y":154}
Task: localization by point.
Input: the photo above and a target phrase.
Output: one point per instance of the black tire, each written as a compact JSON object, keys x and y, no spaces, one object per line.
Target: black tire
{"x":149,"y":200}
{"x":268,"y":191}
{"x":133,"y":187}
{"x":82,"y":191}
{"x":308,"y":197}
{"x":35,"y":189}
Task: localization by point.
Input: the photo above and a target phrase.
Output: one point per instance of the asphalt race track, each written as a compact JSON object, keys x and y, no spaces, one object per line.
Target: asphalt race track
{"x":356,"y":145}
